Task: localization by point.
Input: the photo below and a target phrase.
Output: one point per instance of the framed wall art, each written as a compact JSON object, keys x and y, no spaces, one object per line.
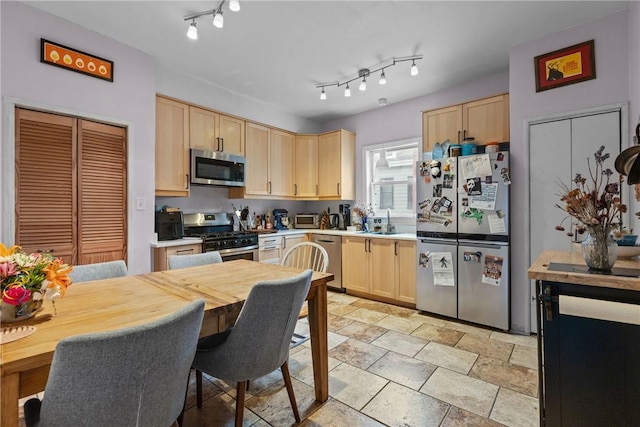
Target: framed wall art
{"x":565,"y":66}
{"x":72,"y":59}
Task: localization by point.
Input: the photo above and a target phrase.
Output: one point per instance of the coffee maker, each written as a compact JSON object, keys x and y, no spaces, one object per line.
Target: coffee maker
{"x":345,"y":215}
{"x":278,"y":216}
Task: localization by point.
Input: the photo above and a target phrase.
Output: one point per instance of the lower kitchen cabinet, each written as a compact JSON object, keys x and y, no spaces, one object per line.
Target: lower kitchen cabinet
{"x":380,"y":268}
{"x":269,"y":250}
{"x":161,"y":255}
{"x":291,"y":240}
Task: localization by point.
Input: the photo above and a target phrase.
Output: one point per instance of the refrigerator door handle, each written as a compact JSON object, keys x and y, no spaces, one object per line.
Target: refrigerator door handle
{"x":438,"y":241}
{"x":481,"y":245}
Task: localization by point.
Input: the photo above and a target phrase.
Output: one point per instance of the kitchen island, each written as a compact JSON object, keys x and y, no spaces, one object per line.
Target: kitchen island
{"x":588,"y":341}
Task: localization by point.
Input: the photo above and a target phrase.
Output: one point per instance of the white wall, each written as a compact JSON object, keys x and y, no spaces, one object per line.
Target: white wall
{"x":129,"y":99}
{"x":611,"y":86}
{"x":634,"y":65}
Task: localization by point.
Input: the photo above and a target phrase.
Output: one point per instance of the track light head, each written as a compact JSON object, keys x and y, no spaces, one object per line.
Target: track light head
{"x":347,"y":91}
{"x":234,"y":5}
{"x":192,"y":33}
{"x":218,"y":19}
{"x":323,"y":94}
{"x":363,"y":84}
{"x":414,"y":68}
{"x":383,"y":78}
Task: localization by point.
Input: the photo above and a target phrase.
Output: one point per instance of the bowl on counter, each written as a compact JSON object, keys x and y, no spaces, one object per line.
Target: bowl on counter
{"x":623,"y":251}
{"x":627,"y":240}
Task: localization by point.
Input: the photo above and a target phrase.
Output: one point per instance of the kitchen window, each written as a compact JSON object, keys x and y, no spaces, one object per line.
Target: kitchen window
{"x":390,"y":177}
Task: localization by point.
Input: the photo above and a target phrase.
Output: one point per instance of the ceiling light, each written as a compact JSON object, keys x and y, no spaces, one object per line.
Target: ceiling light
{"x":414,"y":69}
{"x":234,"y":5}
{"x":382,"y":102}
{"x":383,"y":78}
{"x":363,"y":73}
{"x":218,"y":20}
{"x":193,"y":31}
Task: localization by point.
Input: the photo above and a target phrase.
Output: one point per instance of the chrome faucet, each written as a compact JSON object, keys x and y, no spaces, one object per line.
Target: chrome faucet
{"x":390,"y":228}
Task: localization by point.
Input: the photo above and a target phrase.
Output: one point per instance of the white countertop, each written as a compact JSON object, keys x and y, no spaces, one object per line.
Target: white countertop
{"x":397,"y":236}
{"x":177,"y":242}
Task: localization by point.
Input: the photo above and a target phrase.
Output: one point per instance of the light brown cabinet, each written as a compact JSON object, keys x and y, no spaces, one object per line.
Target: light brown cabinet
{"x":161,"y":255}
{"x":306,"y":183}
{"x":282,"y":163}
{"x":486,"y":120}
{"x":270,"y":248}
{"x":377,"y":268}
{"x":79,"y":212}
{"x":172,"y":148}
{"x":336,"y":165}
{"x":212,"y":131}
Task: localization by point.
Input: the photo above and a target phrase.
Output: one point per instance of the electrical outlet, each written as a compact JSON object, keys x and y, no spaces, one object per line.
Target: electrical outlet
{"x":141,"y":204}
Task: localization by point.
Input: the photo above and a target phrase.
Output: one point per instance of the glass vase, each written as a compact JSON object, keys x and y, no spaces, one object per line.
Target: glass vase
{"x":599,"y":250}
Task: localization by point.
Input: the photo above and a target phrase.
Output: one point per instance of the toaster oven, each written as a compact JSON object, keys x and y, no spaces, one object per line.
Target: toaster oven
{"x":307,"y":221}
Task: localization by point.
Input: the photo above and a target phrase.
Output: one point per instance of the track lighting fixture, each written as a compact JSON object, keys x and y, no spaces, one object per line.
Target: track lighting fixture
{"x":383,"y":78}
{"x":414,"y":69}
{"x":218,"y":18}
{"x":366,"y":72}
{"x":193,"y":31}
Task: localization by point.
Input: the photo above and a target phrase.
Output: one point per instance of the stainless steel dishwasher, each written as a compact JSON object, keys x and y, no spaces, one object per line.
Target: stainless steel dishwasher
{"x":333,"y":246}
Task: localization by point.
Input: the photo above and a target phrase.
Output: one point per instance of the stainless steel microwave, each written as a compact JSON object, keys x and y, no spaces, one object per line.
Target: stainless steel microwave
{"x":217,"y":168}
{"x":307,"y":221}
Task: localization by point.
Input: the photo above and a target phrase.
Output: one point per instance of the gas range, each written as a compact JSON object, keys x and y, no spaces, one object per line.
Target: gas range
{"x":216,"y":232}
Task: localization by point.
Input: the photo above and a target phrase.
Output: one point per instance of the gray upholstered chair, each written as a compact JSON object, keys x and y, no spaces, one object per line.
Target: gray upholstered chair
{"x":134,"y":376}
{"x":101,"y":270}
{"x":305,"y":255}
{"x":258,"y":343}
{"x":184,"y":261}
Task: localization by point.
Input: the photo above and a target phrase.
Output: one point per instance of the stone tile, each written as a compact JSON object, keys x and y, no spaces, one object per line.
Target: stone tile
{"x":401,"y":343}
{"x":273,"y":405}
{"x":365,"y":315}
{"x":438,"y":334}
{"x":400,"y":324}
{"x":457,"y":417}
{"x":403,"y":370}
{"x":462,"y":391}
{"x":342,"y":298}
{"x":219,"y":410}
{"x":209,"y":389}
{"x":525,"y":340}
{"x":353,"y":386}
{"x":469,"y":329}
{"x":525,"y":356}
{"x":432,"y":320}
{"x":335,"y":322}
{"x":340,"y":309}
{"x":333,"y":340}
{"x":493,"y":348}
{"x":505,"y":374}
{"x":447,"y":357}
{"x":255,"y":386}
{"x":301,"y":365}
{"x":515,"y":409}
{"x":337,"y":414}
{"x":357,"y":353}
{"x":385,"y":308}
{"x":396,"y":405}
{"x":365,"y":332}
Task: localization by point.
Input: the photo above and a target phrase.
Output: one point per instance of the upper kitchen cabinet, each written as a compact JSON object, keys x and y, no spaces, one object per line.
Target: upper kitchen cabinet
{"x":172,"y":148}
{"x":486,"y":120}
{"x":336,"y":165}
{"x":212,"y":131}
{"x":306,"y":166}
{"x":256,"y":175}
{"x":282,"y":151}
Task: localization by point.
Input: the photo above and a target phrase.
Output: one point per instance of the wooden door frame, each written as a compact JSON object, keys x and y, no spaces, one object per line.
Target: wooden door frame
{"x":7,"y":154}
{"x":623,"y":108}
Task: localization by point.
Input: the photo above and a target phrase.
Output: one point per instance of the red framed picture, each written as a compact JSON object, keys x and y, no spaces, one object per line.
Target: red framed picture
{"x":72,"y":59}
{"x":566,"y":66}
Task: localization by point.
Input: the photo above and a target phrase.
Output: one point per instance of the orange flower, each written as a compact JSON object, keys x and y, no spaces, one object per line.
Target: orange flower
{"x":58,"y":275}
{"x":6,"y":252}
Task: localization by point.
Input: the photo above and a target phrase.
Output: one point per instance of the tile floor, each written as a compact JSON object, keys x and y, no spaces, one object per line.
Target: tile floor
{"x":392,"y":366}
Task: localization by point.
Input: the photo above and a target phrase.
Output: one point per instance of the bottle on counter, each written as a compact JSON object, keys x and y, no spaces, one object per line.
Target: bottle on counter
{"x":268,"y":225}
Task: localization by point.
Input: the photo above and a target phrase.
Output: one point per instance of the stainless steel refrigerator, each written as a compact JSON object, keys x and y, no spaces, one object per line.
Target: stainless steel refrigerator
{"x":463,"y":238}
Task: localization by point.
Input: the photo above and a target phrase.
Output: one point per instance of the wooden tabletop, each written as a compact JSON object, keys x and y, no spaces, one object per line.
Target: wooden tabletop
{"x":539,"y":270}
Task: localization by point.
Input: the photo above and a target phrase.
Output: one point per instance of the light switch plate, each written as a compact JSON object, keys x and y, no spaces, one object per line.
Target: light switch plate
{"x":141,"y":204}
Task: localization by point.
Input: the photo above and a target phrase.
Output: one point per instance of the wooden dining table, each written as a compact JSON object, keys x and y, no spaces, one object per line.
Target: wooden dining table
{"x":109,"y":304}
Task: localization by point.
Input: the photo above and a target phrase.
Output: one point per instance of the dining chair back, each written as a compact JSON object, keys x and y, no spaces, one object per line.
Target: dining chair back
{"x":184,"y":261}
{"x":307,"y":255}
{"x":259,"y":341}
{"x":97,"y":271}
{"x":135,"y":376}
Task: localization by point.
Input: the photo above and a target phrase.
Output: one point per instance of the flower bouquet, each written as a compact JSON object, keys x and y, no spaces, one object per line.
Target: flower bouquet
{"x":26,"y":280}
{"x":597,"y":208}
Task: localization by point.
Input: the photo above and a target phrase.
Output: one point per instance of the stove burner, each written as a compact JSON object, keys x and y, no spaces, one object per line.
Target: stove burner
{"x":218,"y":241}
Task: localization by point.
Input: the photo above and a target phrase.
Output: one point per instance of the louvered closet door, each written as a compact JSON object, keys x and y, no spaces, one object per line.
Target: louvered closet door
{"x":102,"y":193}
{"x":46,"y":183}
